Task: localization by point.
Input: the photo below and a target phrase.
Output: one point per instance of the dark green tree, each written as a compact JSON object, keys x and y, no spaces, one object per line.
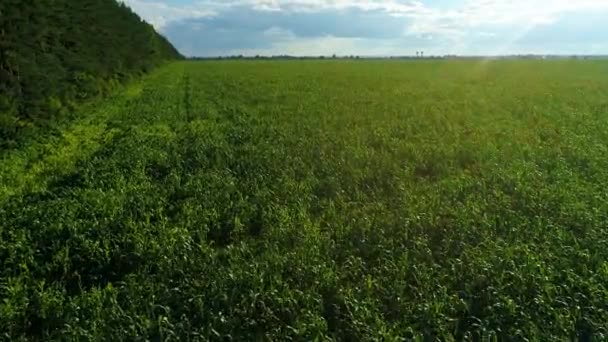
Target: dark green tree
{"x":54,"y":53}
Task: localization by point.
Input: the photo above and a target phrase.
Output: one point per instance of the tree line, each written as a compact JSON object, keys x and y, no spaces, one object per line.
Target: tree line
{"x":55,"y":53}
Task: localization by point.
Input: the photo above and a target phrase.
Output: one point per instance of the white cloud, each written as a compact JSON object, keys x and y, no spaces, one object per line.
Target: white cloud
{"x":276,"y":33}
{"x":452,"y":29}
{"x":160,"y":13}
{"x":496,"y":13}
{"x":425,"y":18}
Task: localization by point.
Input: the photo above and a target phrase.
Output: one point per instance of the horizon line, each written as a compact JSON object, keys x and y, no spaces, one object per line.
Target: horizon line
{"x":353,"y":56}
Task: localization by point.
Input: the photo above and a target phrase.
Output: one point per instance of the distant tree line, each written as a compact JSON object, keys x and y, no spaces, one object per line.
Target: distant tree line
{"x":275,"y":57}
{"x":289,"y":57}
{"x":54,"y":53}
{"x":419,"y":55}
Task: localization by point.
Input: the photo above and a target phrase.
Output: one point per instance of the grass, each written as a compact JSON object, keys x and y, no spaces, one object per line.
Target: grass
{"x":317,"y":200}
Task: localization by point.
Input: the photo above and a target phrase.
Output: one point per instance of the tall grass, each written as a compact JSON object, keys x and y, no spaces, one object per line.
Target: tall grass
{"x":318,"y":200}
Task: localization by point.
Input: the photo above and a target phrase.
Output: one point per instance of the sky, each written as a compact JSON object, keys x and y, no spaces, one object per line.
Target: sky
{"x":379,"y":28}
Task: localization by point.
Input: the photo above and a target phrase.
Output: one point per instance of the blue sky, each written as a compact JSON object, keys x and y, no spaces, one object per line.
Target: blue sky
{"x":379,"y":28}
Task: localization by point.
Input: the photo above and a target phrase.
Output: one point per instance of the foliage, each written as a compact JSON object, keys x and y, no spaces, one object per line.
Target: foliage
{"x":317,"y":200}
{"x":53,"y":52}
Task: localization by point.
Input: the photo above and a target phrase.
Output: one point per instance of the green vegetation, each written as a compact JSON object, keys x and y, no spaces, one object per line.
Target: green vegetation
{"x":54,"y":53}
{"x":317,"y":200}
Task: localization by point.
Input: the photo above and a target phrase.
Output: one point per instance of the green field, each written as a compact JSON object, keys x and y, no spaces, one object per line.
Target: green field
{"x":317,"y":200}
